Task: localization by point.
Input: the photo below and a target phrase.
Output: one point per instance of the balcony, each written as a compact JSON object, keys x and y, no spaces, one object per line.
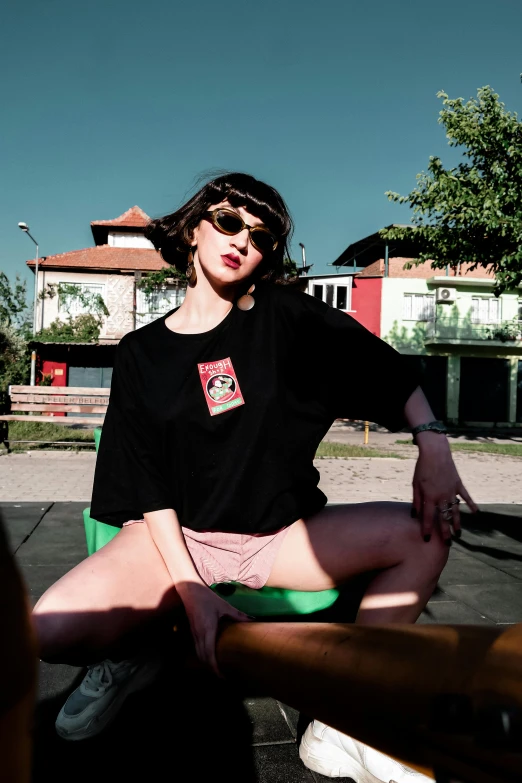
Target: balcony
{"x":456,"y":331}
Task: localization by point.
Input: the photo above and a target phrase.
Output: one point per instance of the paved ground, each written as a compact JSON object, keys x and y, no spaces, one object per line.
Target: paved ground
{"x":193,"y":722}
{"x":490,"y":478}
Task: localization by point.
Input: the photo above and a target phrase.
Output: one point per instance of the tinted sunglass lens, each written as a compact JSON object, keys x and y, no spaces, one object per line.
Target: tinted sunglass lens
{"x":229,"y":223}
{"x":263,"y":241}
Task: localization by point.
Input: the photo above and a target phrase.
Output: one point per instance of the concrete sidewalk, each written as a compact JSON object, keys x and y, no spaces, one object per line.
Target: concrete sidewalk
{"x":56,"y":476}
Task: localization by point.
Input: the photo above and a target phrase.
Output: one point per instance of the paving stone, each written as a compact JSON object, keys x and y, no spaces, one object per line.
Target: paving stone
{"x":439,"y":595}
{"x":185,"y":719}
{"x":496,"y":557}
{"x":268,"y":722}
{"x":58,"y":539}
{"x":291,"y":717}
{"x":57,"y":680}
{"x":38,"y":578}
{"x":499,"y":603}
{"x":214,"y":725}
{"x":452,"y":613}
{"x":280,"y":764}
{"x":20,"y":520}
{"x":467,"y":570}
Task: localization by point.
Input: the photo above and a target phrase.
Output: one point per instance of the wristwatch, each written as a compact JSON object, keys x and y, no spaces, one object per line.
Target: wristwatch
{"x":432,"y":426}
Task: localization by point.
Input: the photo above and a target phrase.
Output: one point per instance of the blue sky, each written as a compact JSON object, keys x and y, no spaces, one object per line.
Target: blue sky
{"x":108,"y":103}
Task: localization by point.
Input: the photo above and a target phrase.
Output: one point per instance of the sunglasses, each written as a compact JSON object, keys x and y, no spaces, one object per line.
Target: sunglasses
{"x":229,"y":222}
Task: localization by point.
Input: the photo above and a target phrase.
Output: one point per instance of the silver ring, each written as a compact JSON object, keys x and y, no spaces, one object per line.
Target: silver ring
{"x":448,"y":505}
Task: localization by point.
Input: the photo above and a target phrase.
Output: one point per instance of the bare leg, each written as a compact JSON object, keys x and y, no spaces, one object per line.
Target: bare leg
{"x":341,"y":542}
{"x":120,"y":594}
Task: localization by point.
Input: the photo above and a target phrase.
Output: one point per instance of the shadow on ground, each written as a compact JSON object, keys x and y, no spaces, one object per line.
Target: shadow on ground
{"x":187,"y":723}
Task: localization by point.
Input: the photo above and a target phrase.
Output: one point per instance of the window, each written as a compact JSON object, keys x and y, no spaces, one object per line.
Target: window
{"x":418,"y":307}
{"x":336,"y":295}
{"x":342,"y":296}
{"x":151,"y":306}
{"x":72,"y":305}
{"x":520,"y":310}
{"x":485,"y":310}
{"x":123,"y":239}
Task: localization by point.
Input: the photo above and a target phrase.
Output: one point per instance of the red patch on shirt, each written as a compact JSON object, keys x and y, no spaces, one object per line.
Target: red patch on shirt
{"x":220,"y":386}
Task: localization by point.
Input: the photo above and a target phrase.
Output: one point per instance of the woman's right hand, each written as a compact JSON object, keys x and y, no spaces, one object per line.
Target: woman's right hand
{"x":205,"y":609}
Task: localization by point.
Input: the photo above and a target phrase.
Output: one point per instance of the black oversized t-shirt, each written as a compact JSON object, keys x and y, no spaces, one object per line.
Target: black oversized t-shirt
{"x":223,"y":426}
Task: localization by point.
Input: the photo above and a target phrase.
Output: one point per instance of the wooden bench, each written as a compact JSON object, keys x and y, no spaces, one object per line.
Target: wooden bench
{"x":40,"y":403}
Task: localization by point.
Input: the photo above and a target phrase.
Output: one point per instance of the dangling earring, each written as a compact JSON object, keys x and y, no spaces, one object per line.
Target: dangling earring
{"x":246,"y":302}
{"x":191,"y":273}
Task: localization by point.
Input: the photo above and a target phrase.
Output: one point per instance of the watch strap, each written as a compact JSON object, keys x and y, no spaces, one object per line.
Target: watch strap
{"x":432,"y":426}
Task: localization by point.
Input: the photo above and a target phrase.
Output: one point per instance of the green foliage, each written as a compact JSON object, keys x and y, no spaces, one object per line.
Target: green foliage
{"x":14,"y":311}
{"x":69,"y":293}
{"x":15,"y":363}
{"x":509,"y":449}
{"x":471,"y":213}
{"x":406,"y":340}
{"x":330,"y":449}
{"x":505,"y":332}
{"x":155,"y":281}
{"x":82,"y":329}
{"x":290,"y":269}
{"x":43,"y":435}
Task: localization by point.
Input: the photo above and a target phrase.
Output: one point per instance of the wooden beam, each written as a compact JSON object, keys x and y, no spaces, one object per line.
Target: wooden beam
{"x":59,"y":390}
{"x":57,"y":408}
{"x":423,"y":694}
{"x":75,"y":399}
{"x":68,"y":420}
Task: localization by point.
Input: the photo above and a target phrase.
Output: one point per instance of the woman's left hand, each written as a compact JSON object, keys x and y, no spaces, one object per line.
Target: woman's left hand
{"x":437,"y":486}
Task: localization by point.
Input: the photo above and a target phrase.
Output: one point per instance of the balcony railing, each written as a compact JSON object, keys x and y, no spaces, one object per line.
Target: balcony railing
{"x":464,"y":329}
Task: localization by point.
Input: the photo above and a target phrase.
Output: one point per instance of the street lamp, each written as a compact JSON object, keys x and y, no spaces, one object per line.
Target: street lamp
{"x":25,"y":228}
{"x":303,"y":253}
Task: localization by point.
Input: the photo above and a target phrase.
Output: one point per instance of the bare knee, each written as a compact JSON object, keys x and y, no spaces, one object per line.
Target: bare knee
{"x":429,"y":556}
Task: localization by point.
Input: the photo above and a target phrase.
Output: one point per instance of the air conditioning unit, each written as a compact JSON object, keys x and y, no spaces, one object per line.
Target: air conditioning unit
{"x":446,"y":295}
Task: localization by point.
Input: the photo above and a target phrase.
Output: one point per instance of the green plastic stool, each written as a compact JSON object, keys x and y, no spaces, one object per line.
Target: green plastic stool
{"x":266,"y":602}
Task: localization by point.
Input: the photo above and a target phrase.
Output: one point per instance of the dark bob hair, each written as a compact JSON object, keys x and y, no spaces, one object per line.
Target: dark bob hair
{"x":171,"y":235}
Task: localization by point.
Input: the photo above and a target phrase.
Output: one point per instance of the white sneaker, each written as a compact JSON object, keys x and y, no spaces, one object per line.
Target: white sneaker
{"x":335,"y":755}
{"x":96,"y":701}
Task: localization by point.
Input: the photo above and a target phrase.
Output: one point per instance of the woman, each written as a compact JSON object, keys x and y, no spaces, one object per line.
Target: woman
{"x":206,"y":458}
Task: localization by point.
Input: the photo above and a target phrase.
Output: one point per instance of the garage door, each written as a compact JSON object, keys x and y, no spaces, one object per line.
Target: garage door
{"x":484,"y":389}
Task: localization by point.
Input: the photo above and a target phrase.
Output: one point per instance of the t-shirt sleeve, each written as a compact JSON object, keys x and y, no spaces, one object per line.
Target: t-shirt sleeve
{"x":357,"y":375}
{"x":128,"y":479}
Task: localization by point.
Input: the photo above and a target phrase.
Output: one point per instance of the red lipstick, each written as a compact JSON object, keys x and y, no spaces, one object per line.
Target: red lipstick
{"x":231,"y":260}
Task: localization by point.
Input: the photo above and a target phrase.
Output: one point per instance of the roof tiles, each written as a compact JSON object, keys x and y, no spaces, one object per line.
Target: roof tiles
{"x":134,"y":217}
{"x":105,"y":257}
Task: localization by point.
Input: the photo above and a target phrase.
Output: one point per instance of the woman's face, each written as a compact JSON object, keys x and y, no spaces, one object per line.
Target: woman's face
{"x":227,"y":259}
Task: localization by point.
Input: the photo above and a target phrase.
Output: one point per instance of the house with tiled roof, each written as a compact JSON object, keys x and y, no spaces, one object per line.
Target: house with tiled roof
{"x":112,"y":268}
{"x":464,"y":340}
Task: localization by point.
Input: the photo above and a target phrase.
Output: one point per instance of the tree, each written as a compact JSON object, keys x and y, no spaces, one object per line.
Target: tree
{"x":15,"y":362}
{"x":83,"y":328}
{"x":290,"y":269}
{"x":471,"y":213}
{"x":14,"y":311}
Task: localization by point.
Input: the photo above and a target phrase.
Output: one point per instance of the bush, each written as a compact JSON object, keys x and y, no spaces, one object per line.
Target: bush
{"x":15,"y":363}
{"x":82,"y":329}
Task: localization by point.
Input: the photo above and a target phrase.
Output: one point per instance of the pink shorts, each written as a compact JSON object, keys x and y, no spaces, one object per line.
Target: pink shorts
{"x":232,"y":557}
